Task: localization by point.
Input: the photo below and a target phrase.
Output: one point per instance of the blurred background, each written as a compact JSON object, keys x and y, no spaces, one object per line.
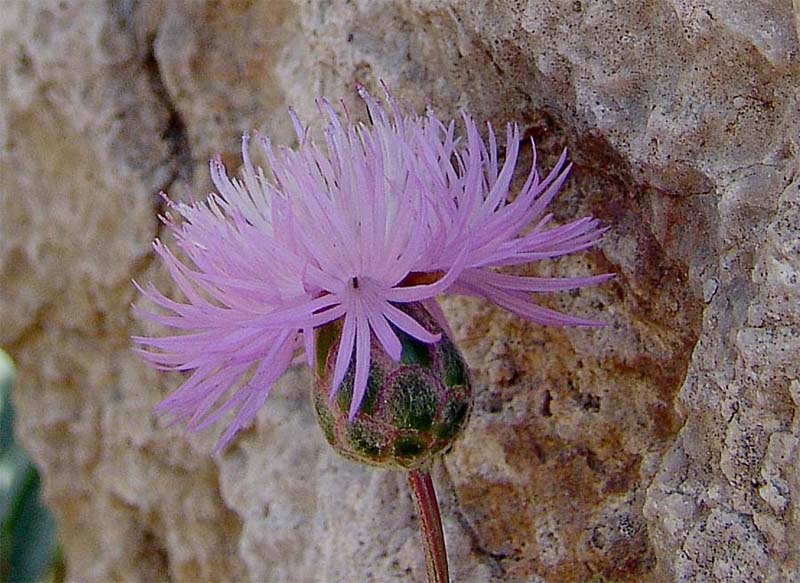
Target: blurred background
{"x":663,"y":447}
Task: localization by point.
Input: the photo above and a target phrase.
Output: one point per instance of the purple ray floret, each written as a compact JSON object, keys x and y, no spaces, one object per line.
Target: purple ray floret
{"x":378,"y":215}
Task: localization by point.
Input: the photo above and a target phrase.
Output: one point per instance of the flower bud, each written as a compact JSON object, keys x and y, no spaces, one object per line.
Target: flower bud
{"x":412,"y":410}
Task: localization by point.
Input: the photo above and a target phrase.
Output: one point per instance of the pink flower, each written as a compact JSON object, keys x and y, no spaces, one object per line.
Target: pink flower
{"x":396,"y":211}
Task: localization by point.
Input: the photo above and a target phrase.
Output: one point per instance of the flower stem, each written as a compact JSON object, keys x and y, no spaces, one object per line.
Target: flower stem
{"x":430,"y":523}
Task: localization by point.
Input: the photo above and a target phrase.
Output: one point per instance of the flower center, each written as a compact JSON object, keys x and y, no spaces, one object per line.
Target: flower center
{"x":421,"y":278}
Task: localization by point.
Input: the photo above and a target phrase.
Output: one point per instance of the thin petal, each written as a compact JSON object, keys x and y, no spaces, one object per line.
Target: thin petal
{"x":519,"y":304}
{"x":345,"y":352}
{"x":435,"y":310}
{"x":362,"y":363}
{"x":409,"y":325}
{"x":298,"y":316}
{"x":415,"y":293}
{"x":309,"y":346}
{"x":386,"y":336}
{"x":539,"y":284}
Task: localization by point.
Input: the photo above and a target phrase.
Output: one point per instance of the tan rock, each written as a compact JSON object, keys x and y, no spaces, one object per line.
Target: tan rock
{"x":664,"y":447}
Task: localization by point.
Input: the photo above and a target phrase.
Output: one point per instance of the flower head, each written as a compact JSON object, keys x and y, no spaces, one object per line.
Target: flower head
{"x":380,"y":216}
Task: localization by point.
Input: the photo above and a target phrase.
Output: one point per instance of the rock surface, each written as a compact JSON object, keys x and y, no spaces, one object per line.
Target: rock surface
{"x":664,"y":447}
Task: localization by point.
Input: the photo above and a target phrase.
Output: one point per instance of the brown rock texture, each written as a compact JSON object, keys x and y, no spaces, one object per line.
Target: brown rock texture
{"x":664,"y":447}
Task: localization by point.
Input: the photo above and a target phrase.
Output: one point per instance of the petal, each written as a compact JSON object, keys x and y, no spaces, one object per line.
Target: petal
{"x":416,"y":293}
{"x":345,"y":352}
{"x":386,"y":336}
{"x":362,"y":363}
{"x":535,"y":284}
{"x":301,"y":315}
{"x":435,"y":310}
{"x":408,"y":324}
{"x":309,"y":346}
{"x":519,"y":304}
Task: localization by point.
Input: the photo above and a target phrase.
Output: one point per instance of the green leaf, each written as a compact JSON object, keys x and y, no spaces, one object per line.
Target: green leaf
{"x":28,"y":543}
{"x":7,"y":374}
{"x":34,"y":537}
{"x":16,"y":475}
{"x":16,"y":471}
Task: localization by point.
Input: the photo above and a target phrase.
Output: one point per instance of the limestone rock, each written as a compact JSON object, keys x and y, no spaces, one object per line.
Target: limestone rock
{"x":664,"y":447}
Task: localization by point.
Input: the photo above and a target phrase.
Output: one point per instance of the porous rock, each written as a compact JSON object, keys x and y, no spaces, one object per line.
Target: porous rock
{"x":663,"y":447}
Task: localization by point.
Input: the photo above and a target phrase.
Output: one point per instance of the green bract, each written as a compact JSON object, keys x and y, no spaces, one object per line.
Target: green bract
{"x":413,"y":409}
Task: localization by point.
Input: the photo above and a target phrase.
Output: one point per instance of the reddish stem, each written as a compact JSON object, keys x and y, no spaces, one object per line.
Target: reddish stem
{"x":430,"y":522}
